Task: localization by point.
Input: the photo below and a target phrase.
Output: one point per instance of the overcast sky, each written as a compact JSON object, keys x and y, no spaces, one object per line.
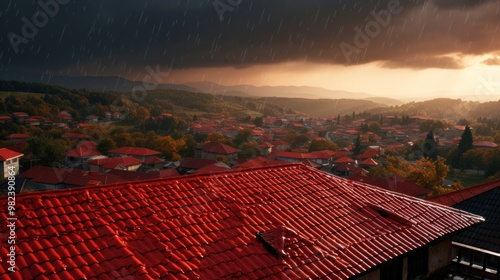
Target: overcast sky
{"x":389,"y":48}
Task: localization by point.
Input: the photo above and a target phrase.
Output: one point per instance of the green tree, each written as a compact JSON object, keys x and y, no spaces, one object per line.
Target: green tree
{"x":105,"y":145}
{"x":466,"y":140}
{"x":48,"y":151}
{"x":430,"y":146}
{"x":357,"y":146}
{"x":249,"y":150}
{"x":464,"y":145}
{"x":297,"y":140}
{"x":242,"y":136}
{"x":258,"y":121}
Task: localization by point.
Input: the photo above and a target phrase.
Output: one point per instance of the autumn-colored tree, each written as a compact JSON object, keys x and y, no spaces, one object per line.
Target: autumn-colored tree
{"x":424,"y":172}
{"x":217,"y":137}
{"x":322,"y":144}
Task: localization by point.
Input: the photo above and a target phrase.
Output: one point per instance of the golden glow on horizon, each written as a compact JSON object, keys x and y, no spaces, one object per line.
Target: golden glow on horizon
{"x":404,"y":84}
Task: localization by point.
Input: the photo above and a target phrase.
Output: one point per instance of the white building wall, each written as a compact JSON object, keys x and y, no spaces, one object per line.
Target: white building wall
{"x":439,"y":255}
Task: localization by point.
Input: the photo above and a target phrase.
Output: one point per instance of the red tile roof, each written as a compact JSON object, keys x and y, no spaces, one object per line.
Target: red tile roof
{"x":153,"y":160}
{"x":484,"y":144}
{"x":112,"y":163}
{"x":345,"y":159}
{"x":83,"y":151}
{"x":6,"y":154}
{"x":369,"y":154}
{"x":368,"y":161}
{"x":230,"y":225}
{"x":17,"y":136}
{"x":135,"y":151}
{"x":450,"y":199}
{"x":218,"y":148}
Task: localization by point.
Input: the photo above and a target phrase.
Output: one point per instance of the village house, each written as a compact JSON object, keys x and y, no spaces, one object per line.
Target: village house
{"x":64,"y":117}
{"x":20,"y":117}
{"x":17,"y":137}
{"x":476,"y":251}
{"x":104,"y":165}
{"x":216,"y":150}
{"x":9,"y":162}
{"x":4,"y":119}
{"x":286,"y":222}
{"x":92,"y":119}
{"x":84,"y":151}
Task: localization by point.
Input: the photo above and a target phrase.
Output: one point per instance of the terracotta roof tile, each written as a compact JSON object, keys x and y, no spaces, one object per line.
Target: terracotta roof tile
{"x":205,"y":226}
{"x":218,"y":148}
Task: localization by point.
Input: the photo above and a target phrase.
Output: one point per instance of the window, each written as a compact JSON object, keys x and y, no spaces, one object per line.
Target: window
{"x":7,"y":162}
{"x":14,"y":160}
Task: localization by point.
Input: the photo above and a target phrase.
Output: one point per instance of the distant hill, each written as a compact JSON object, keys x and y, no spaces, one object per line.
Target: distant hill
{"x":445,"y":108}
{"x":111,"y":83}
{"x":276,"y":91}
{"x":385,"y":101}
{"x":324,"y":107}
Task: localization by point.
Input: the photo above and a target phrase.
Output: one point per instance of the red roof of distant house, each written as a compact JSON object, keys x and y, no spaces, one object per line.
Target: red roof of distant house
{"x":368,"y":161}
{"x":135,"y":151}
{"x":266,"y":145}
{"x":83,"y":151}
{"x":344,"y":160}
{"x":5,"y":118}
{"x":223,"y":225}
{"x":259,"y":162}
{"x":323,"y":154}
{"x":64,"y":115}
{"x":6,"y":154}
{"x":292,"y":155}
{"x":17,"y":136}
{"x":218,"y":148}
{"x":112,"y":163}
{"x":346,"y":167}
{"x":351,"y":132}
{"x":396,"y":184}
{"x":153,"y":160}
{"x":20,"y":114}
{"x":484,"y":144}
{"x":279,"y":142}
{"x":369,"y":153}
{"x":450,"y":199}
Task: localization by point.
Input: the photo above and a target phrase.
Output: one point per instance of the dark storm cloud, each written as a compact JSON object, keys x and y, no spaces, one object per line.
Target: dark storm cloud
{"x":97,"y":37}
